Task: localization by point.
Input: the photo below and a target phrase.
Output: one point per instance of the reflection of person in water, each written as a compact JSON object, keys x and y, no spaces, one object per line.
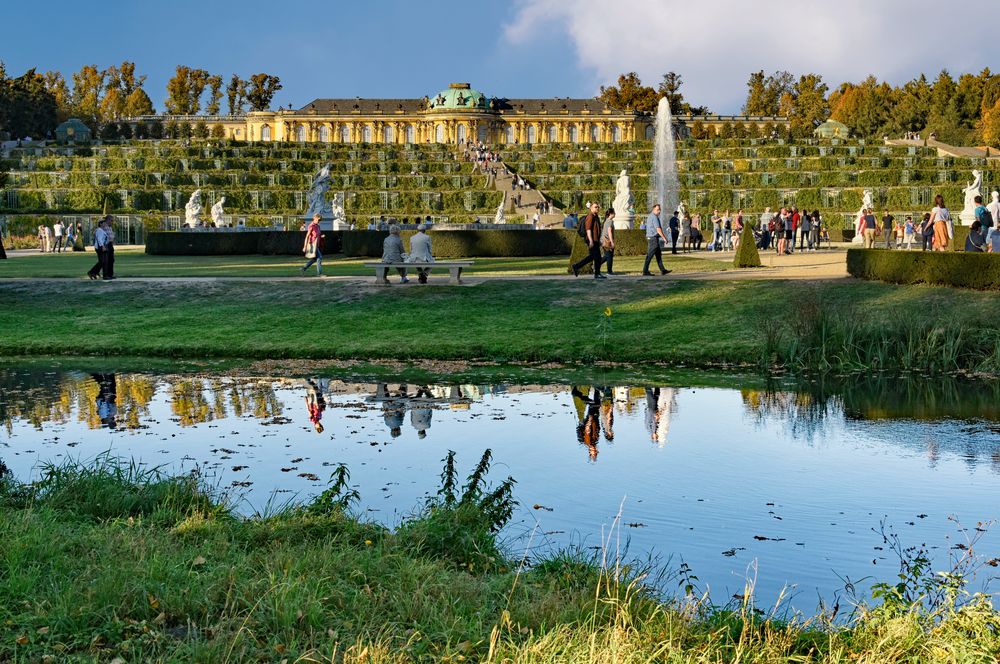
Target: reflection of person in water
{"x":420,"y":414}
{"x":588,"y":428}
{"x":107,"y":399}
{"x":660,"y":405}
{"x":393,"y":410}
{"x":315,"y":403}
{"x":608,"y":414}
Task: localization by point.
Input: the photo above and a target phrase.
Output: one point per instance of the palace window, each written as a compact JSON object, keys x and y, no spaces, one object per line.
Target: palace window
{"x":531,"y":134}
{"x":388,"y":135}
{"x":366,"y":134}
{"x":411,"y":134}
{"x":616,"y":134}
{"x":482,"y":134}
{"x":573,"y":137}
{"x":595,"y":134}
{"x":345,"y":134}
{"x":300,"y":134}
{"x":439,"y":133}
{"x":324,"y":134}
{"x":553,"y":134}
{"x":461,"y":133}
{"x":650,"y":132}
{"x":510,"y":134}
{"x":265,"y":133}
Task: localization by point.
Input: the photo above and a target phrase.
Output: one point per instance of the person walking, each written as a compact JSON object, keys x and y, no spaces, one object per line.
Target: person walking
{"x":592,"y":234}
{"x":871,"y":228}
{"x":100,"y":240}
{"x":716,"y":231}
{"x":926,"y":233}
{"x":944,"y":231}
{"x":727,"y":232}
{"x":908,"y":232}
{"x":686,"y":233}
{"x":814,"y":228}
{"x":608,"y":240}
{"x":766,"y":226}
{"x":57,"y":232}
{"x":313,"y":247}
{"x":888,"y":229}
{"x":109,"y":249}
{"x":70,"y":237}
{"x":674,"y":225}
{"x":654,"y":233}
{"x":805,"y":232}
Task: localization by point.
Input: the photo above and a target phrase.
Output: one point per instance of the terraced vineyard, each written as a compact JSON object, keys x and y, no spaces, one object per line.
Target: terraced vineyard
{"x":754,"y":174}
{"x":262,"y":184}
{"x":148,"y":183}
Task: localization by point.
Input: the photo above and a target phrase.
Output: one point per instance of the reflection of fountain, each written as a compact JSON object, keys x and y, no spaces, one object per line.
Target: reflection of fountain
{"x":665,"y":161}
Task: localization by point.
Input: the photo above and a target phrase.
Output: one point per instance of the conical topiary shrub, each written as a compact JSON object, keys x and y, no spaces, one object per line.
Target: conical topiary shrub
{"x":747,"y":254}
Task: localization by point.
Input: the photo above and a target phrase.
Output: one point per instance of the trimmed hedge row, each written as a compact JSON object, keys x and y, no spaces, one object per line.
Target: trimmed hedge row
{"x":272,"y":243}
{"x":960,"y":269}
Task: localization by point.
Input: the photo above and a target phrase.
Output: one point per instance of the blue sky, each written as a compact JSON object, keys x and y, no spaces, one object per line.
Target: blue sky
{"x":517,"y":48}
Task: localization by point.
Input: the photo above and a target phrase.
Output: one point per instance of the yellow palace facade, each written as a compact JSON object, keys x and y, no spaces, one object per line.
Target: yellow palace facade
{"x":460,"y":113}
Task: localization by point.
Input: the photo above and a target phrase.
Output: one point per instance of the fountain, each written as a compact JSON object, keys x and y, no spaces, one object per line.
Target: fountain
{"x":665,"y":161}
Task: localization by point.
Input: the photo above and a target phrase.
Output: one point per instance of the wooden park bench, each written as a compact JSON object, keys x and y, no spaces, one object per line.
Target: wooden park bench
{"x":454,"y":269}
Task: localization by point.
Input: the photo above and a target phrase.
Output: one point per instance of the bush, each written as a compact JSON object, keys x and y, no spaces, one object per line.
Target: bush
{"x":222,"y":243}
{"x":960,"y":269}
{"x":470,"y":244}
{"x":747,"y":254}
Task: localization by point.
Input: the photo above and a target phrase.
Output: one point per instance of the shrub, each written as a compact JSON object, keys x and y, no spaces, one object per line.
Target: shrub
{"x":747,"y":254}
{"x":222,"y":243}
{"x":960,"y":269}
{"x":470,"y":244}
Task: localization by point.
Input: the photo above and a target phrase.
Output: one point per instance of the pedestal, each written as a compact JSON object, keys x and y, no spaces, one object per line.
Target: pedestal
{"x":624,"y":222}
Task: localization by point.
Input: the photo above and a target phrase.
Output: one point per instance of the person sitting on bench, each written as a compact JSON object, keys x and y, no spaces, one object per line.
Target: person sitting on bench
{"x":392,"y":252}
{"x":420,"y":252}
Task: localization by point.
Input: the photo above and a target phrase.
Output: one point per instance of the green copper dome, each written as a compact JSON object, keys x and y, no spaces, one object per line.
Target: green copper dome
{"x":458,"y":96}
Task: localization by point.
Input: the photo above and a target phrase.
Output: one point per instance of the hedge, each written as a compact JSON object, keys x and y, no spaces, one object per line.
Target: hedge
{"x":470,"y":244}
{"x":275,"y":243}
{"x":957,"y":268}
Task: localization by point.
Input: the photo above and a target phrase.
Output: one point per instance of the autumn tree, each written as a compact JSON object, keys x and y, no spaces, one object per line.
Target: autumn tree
{"x":214,"y":95}
{"x":56,"y":85}
{"x":88,"y":90}
{"x":184,"y":90}
{"x":630,"y":94}
{"x":261,"y":90}
{"x":236,"y":94}
{"x":138,"y":103}
{"x":764,"y":92}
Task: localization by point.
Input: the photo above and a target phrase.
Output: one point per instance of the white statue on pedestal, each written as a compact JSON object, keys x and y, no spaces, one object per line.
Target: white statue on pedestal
{"x":500,"y":217}
{"x":994,"y":207}
{"x":624,"y":203}
{"x":859,"y":220}
{"x":338,"y":213}
{"x":681,"y":210}
{"x":217,"y":212}
{"x":974,"y":189}
{"x":317,"y":192}
{"x":192,"y":210}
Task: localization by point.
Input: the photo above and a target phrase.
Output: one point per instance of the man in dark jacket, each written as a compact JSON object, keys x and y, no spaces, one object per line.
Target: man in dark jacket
{"x":592,"y":235}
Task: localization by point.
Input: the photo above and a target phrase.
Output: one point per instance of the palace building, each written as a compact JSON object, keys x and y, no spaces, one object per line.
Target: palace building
{"x":460,"y":113}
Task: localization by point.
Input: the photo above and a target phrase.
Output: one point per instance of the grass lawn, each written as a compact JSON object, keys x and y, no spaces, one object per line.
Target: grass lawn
{"x":867,"y":325}
{"x":130,"y":262}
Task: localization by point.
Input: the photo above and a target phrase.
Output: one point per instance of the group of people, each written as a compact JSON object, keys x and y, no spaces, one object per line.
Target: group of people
{"x":59,"y":237}
{"x":783,"y":229}
{"x":600,"y":238}
{"x":936,"y":229}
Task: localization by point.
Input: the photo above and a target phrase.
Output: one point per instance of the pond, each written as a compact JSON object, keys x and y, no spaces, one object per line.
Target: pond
{"x":784,"y":483}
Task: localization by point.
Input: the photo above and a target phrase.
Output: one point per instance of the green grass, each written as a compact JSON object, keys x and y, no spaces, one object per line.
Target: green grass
{"x":837,"y":325}
{"x":89,"y":572}
{"x":131,"y":262}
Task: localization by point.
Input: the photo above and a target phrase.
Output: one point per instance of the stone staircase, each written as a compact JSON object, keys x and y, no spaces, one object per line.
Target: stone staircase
{"x":529,"y":199}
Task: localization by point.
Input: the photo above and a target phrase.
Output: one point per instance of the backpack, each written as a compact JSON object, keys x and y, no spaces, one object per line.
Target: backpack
{"x":581,"y":228}
{"x":986,"y":218}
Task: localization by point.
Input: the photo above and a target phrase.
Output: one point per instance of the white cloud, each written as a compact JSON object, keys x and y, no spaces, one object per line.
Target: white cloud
{"x":716,"y":44}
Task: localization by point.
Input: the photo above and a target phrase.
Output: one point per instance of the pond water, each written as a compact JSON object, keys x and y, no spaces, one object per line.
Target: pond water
{"x":786,"y":484}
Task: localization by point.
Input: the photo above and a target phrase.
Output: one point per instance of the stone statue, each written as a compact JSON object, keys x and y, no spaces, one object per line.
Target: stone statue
{"x":974,"y":189}
{"x":994,"y":207}
{"x":338,"y":213}
{"x":500,"y":217}
{"x":859,"y":220}
{"x":217,"y":212}
{"x":317,"y":192}
{"x":624,"y":203}
{"x":681,"y":209}
{"x":192,"y":210}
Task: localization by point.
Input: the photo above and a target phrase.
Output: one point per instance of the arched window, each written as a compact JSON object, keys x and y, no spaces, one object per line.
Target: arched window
{"x":439,"y":133}
{"x":510,"y":134}
{"x":553,"y":134}
{"x":483,"y":134}
{"x":324,"y":134}
{"x":573,"y":134}
{"x":300,"y":134}
{"x":411,"y":134}
{"x":595,"y":134}
{"x":265,"y":133}
{"x":388,"y":135}
{"x":345,"y":134}
{"x":650,"y":132}
{"x":461,"y":133}
{"x":531,"y":134}
{"x":616,"y":134}
{"x":366,"y":134}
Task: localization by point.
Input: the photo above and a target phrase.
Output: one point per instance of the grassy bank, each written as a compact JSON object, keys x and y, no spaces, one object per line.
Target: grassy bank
{"x":110,"y":561}
{"x":844,"y":326}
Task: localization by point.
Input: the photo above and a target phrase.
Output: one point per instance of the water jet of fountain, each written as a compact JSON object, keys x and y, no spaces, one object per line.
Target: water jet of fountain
{"x":668,"y":187}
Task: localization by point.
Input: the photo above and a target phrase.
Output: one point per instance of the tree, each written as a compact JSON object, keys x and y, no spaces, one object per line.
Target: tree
{"x":630,"y":94}
{"x":184,"y":90}
{"x":88,"y":88}
{"x":112,"y":106}
{"x":764,"y":93}
{"x":865,"y":107}
{"x":156,"y":130}
{"x":218,"y":131}
{"x":990,"y":126}
{"x":805,"y":105}
{"x":747,"y":254}
{"x":200,"y":129}
{"x":27,"y":108}
{"x":56,"y":85}
{"x":236,"y":94}
{"x":262,"y":88}
{"x":109,"y":132}
{"x":138,"y":103}
{"x":215,"y":95}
